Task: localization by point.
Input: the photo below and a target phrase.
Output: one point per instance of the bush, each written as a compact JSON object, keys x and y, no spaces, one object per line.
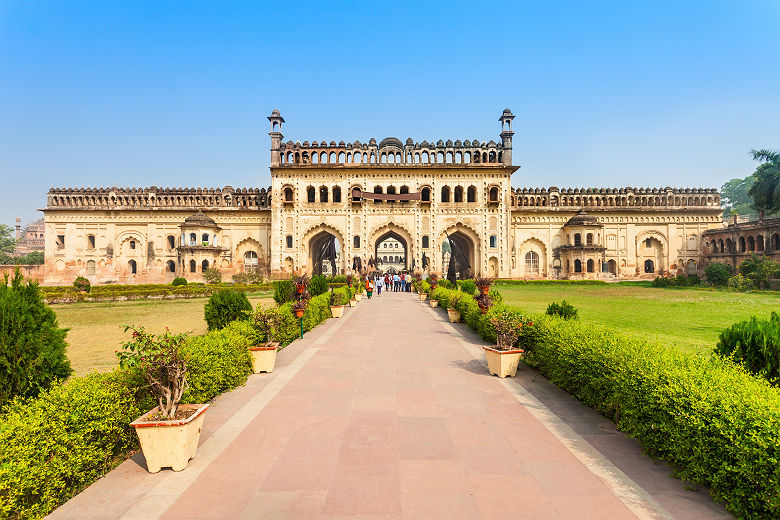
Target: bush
{"x":225,"y":306}
{"x":82,"y":284}
{"x":681,"y":280}
{"x":467,"y":286}
{"x":32,"y":345}
{"x":56,"y":445}
{"x":219,"y":361}
{"x":717,"y":424}
{"x":759,"y":270}
{"x":212,"y":275}
{"x":495,"y":296}
{"x":755,"y":344}
{"x":663,"y":281}
{"x":253,"y":276}
{"x":740,"y":283}
{"x":444,"y":283}
{"x":318,"y":285}
{"x":564,"y":309}
{"x":179,"y":281}
{"x":284,"y":291}
{"x":718,"y":274}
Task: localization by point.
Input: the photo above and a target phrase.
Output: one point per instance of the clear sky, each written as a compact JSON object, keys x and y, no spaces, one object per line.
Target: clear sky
{"x":143,"y":93}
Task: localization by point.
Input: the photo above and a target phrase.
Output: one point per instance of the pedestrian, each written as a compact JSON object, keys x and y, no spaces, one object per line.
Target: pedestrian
{"x":369,"y":287}
{"x":387,"y":282}
{"x":408,"y":282}
{"x":379,"y":283}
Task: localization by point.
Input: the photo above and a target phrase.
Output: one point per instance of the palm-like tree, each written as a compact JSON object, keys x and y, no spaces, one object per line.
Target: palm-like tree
{"x":766,"y":188}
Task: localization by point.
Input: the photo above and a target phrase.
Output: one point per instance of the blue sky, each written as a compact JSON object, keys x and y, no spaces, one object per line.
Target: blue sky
{"x":176,"y":93}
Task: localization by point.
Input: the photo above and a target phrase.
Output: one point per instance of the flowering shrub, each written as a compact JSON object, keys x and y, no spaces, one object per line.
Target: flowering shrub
{"x":266,"y":322}
{"x":161,"y":362}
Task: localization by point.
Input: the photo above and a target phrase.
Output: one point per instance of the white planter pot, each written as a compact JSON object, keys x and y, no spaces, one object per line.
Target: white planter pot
{"x":337,"y":311}
{"x":263,"y":357}
{"x":359,"y":296}
{"x":423,"y":296}
{"x":170,"y":443}
{"x":434,"y":303}
{"x":454,"y":315}
{"x":503,"y":362}
{"x":352,"y":303}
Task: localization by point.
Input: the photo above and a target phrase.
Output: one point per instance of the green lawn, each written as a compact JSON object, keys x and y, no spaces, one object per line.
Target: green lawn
{"x":96,"y":329}
{"x":687,"y":318}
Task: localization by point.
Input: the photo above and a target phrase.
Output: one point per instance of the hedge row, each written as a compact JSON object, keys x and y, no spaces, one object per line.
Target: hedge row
{"x":710,"y":419}
{"x":317,"y":311}
{"x":55,"y":445}
{"x":135,"y":292}
{"x":550,"y":282}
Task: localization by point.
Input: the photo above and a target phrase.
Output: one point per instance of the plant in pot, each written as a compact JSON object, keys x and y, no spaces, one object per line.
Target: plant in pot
{"x":169,"y":432}
{"x":483,"y":283}
{"x":434,"y":279}
{"x":301,"y":282}
{"x":504,"y":358}
{"x":452,"y":312}
{"x":424,"y":288}
{"x":299,"y":308}
{"x":484,"y":302}
{"x":336,"y":304}
{"x":358,"y":290}
{"x":266,"y":321}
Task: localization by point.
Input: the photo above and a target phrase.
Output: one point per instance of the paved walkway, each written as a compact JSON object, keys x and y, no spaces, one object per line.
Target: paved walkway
{"x":390,"y":413}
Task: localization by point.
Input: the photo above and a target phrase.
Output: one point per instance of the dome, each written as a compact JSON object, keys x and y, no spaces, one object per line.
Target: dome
{"x":200,"y":219}
{"x":582,"y":219}
{"x":391,"y":141}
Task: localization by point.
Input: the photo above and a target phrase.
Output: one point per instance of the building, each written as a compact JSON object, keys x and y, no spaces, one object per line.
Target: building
{"x":31,"y":238}
{"x":353,"y":198}
{"x":737,"y":241}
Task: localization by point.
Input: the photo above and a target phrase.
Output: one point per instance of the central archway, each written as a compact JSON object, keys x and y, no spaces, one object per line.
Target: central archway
{"x":324,"y":251}
{"x":467,"y":242}
{"x":391,"y":252}
{"x":312,"y":242}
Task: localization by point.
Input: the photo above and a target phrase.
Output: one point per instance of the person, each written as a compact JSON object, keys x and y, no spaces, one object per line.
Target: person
{"x":369,"y":287}
{"x":408,"y":282}
{"x":387,"y":281}
{"x":396,"y":282}
{"x":379,"y":282}
{"x":403,"y":282}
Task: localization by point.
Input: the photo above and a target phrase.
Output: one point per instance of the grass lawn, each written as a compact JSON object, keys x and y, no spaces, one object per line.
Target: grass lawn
{"x":97,"y":329}
{"x":687,"y":318}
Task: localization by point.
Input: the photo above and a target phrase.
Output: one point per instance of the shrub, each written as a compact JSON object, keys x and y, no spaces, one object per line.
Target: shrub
{"x":495,"y":296}
{"x":717,"y":424}
{"x":740,"y":283}
{"x":284,"y":291}
{"x":507,"y":325}
{"x":759,"y":270}
{"x":718,"y":274}
{"x":564,"y":309}
{"x":218,"y":361}
{"x":318,"y":285}
{"x":253,"y":276}
{"x":225,"y":306}
{"x":446,"y":284}
{"x":467,"y":286}
{"x":82,"y":284}
{"x":212,"y":275}
{"x":681,"y":280}
{"x":32,"y":345}
{"x":179,"y":281}
{"x":54,"y":446}
{"x":337,"y":298}
{"x":663,"y":281}
{"x":755,"y":344}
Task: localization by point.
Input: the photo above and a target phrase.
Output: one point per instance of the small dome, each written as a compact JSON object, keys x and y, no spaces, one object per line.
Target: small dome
{"x":507,"y":112}
{"x":275,"y":112}
{"x":391,"y":141}
{"x":200,"y":219}
{"x":582,"y":219}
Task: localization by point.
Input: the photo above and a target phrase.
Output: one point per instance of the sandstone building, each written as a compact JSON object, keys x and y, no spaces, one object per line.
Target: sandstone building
{"x":361,"y":197}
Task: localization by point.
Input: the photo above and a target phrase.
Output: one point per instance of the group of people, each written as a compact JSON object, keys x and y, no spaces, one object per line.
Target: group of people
{"x":398,"y":282}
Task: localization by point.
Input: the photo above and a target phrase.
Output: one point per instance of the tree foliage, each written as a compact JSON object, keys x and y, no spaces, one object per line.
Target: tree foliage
{"x":7,"y":240}
{"x":225,"y":306}
{"x":32,"y":345}
{"x":765,"y":190}
{"x":735,"y":196}
{"x":759,"y":270}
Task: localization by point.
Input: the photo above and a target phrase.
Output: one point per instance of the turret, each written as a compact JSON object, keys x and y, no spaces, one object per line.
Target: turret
{"x":506,"y":135}
{"x":276,"y":120}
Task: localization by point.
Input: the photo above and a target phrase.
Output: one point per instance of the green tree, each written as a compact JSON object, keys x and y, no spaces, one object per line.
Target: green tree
{"x":735,"y":196}
{"x":759,"y":269}
{"x":765,"y":190}
{"x":7,"y":240}
{"x":32,"y":345}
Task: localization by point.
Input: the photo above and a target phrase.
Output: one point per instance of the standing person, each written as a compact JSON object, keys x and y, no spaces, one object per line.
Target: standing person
{"x":379,"y":283}
{"x":408,"y":282}
{"x":387,"y":282}
{"x":369,"y":287}
{"x":403,"y":282}
{"x":396,"y":282}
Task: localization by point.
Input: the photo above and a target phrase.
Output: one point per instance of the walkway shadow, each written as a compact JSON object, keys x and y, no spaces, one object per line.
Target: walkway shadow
{"x":473,"y":366}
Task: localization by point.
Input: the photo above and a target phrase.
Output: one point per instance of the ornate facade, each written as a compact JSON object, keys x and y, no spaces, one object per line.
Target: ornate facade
{"x":361,"y":196}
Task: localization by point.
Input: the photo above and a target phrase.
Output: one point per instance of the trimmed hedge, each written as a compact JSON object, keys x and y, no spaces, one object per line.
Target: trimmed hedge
{"x":317,"y":311}
{"x":68,"y":294}
{"x":549,"y":282}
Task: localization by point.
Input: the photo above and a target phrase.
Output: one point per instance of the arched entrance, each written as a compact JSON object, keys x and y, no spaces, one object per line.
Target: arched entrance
{"x":324,"y":252}
{"x":458,"y":256}
{"x":391,"y":252}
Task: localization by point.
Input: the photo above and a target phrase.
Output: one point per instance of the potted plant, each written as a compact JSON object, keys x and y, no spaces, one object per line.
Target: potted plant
{"x":483,"y":283}
{"x":484,"y":302}
{"x":504,"y":358}
{"x":264,"y":354}
{"x":434,"y":279}
{"x":358,"y":291}
{"x":452,"y":312}
{"x":299,"y":308}
{"x":301,"y":282}
{"x":169,"y":432}
{"x":336,"y":305}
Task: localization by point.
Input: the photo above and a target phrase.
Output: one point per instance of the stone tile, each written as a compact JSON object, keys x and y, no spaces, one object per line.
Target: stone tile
{"x":363,"y":496}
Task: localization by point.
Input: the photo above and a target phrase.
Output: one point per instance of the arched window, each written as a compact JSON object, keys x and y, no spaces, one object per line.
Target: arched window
{"x":310,"y":194}
{"x":377,"y":189}
{"x":458,"y":194}
{"x":751,"y":244}
{"x":589,"y":239}
{"x":760,"y":243}
{"x":649,"y":266}
{"x":90,"y":241}
{"x":532,"y":262}
{"x":193,"y":239}
{"x":288,"y":195}
{"x":404,"y":190}
{"x":204,"y":265}
{"x":288,"y":241}
{"x":493,"y":241}
{"x":577,"y":266}
{"x":90,"y":267}
{"x":493,"y":194}
{"x":171,"y":266}
{"x":336,"y":194}
{"x":471,"y":194}
{"x":425,"y":242}
{"x":356,"y":241}
{"x":445,"y":194}
{"x":590,"y":266}
{"x":776,"y":241}
{"x":193,"y":266}
{"x":729,"y":246}
{"x":132,"y":266}
{"x":204,"y":239}
{"x":323,"y":194}
{"x":132,"y":244}
{"x":391,"y":191}
{"x":250,"y":260}
{"x":425,"y":195}
{"x":171,"y":242}
{"x":720,"y":246}
{"x":577,"y":239}
{"x":690,"y":268}
{"x":742,"y":245}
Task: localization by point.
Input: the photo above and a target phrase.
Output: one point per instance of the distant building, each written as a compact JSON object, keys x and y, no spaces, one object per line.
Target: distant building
{"x":740,"y":239}
{"x":31,"y":238}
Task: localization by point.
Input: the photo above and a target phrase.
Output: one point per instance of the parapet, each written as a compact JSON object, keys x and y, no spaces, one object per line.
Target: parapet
{"x":154,"y":197}
{"x":615,"y":197}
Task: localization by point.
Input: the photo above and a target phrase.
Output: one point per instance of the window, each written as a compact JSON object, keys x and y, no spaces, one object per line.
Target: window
{"x":377,"y":189}
{"x":425,"y":242}
{"x":91,"y":267}
{"x":532,"y":262}
{"x":132,"y":266}
{"x":171,"y":242}
{"x":336,"y":194}
{"x":493,"y":241}
{"x":404,"y":190}
{"x":288,"y":195}
{"x":193,"y":266}
{"x":204,"y":265}
{"x":396,"y":245}
{"x":425,"y":195}
{"x":310,"y":194}
{"x":356,"y":241}
{"x":60,"y":241}
{"x":648,"y":243}
{"x":590,"y":266}
{"x":193,"y":239}
{"x":742,"y":246}
{"x":90,"y":241}
{"x":690,"y":268}
{"x":391,"y":191}
{"x":577,"y":239}
{"x":577,"y":266}
{"x":132,"y":244}
{"x":589,"y":239}
{"x":323,"y":194}
{"x":250,"y":260}
{"x":493,"y":194}
{"x":649,"y":266}
{"x":445,"y":194}
{"x":171,"y":266}
{"x":471,"y":194}
{"x":458,"y":194}
{"x":205,"y":239}
{"x":288,"y":241}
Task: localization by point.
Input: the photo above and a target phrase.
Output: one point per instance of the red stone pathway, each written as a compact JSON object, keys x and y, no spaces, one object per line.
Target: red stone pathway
{"x":391,"y":416}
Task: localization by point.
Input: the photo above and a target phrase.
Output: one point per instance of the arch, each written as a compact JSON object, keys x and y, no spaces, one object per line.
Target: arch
{"x":250,"y":261}
{"x":729,"y":246}
{"x":400,"y":233}
{"x":531,"y":262}
{"x":314,"y":236}
{"x":467,"y":239}
{"x":204,"y":265}
{"x":377,"y":189}
{"x":493,"y":194}
{"x":742,"y":245}
{"x":425,"y":194}
{"x":751,"y":244}
{"x":132,"y":267}
{"x":336,"y":193}
{"x":775,"y":242}
{"x":90,"y":267}
{"x":578,"y":266}
{"x":612,"y":267}
{"x":458,"y":194}
{"x":243,"y":247}
{"x":445,"y":194}
{"x":536,"y":246}
{"x":649,"y":267}
{"x":193,"y":266}
{"x":311,"y":194}
{"x":471,"y":194}
{"x":690,"y":267}
{"x":324,"y":194}
{"x":760,"y":243}
{"x":590,"y":265}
